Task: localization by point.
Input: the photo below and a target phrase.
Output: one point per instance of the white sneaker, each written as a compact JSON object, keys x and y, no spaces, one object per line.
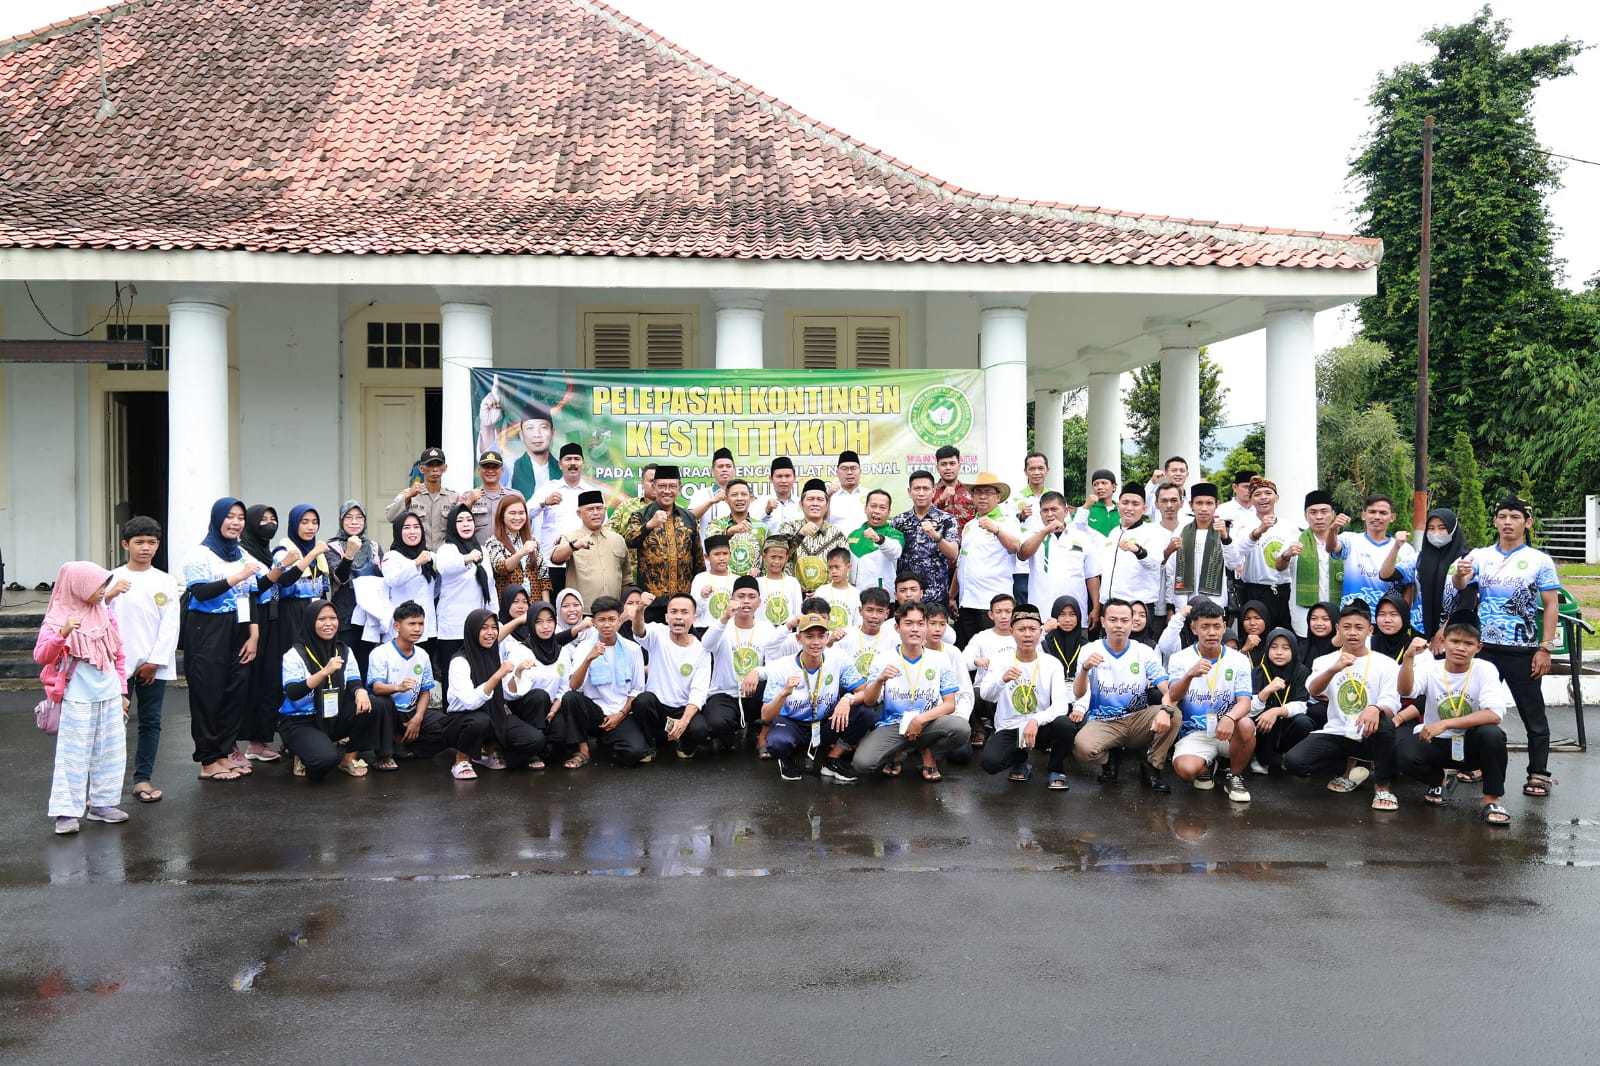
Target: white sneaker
{"x":65,"y":825}
{"x":1257,"y":768}
{"x":1234,"y":785}
{"x":107,"y":814}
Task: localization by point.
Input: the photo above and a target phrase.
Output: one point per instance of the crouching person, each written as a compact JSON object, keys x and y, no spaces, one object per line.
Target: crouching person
{"x":915,"y":692}
{"x":486,"y":702}
{"x":1032,"y":705}
{"x":1117,"y":675}
{"x":601,"y":676}
{"x":808,"y":707}
{"x":680,"y":678}
{"x":1466,"y":702}
{"x":404,"y":692}
{"x":324,"y":701}
{"x":1210,"y":686}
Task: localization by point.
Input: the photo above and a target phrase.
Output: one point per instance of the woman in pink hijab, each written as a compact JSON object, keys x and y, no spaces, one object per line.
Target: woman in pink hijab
{"x":80,"y":649}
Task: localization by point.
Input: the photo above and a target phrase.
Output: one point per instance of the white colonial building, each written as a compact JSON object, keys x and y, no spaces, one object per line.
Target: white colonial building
{"x":322,"y":223}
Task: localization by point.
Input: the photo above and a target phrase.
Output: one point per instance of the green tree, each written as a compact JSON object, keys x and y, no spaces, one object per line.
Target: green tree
{"x":1241,"y":458}
{"x":1074,"y":470}
{"x":1360,"y":447}
{"x":1471,"y":511}
{"x":1494,"y":275}
{"x":1142,"y":407}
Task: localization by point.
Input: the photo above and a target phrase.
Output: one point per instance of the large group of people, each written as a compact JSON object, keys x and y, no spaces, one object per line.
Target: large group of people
{"x":834,"y":630}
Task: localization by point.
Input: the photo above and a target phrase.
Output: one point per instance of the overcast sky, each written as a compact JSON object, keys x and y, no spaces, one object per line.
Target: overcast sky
{"x":1237,"y":110}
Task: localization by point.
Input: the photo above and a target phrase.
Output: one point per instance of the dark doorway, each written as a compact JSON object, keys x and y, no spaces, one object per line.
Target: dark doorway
{"x":136,"y":465}
{"x":433,"y":419}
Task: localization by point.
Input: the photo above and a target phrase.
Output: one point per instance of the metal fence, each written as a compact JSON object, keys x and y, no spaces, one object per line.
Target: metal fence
{"x":1565,"y":539}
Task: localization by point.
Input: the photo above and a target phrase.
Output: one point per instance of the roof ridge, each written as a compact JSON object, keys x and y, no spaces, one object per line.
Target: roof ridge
{"x":1156,"y":225}
{"x":64,"y":26}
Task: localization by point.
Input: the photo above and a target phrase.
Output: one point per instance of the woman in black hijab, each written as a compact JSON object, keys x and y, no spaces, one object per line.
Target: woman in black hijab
{"x":325,"y":701}
{"x":1391,"y":627}
{"x":1442,"y":544}
{"x":1067,"y":638}
{"x":477,"y":707}
{"x":266,"y":682}
{"x":1320,"y":622}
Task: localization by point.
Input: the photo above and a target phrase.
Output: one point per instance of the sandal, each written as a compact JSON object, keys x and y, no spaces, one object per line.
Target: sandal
{"x":221,"y":775}
{"x":463,"y":771}
{"x":1351,"y":781}
{"x":1058,"y":783}
{"x":353,"y":769}
{"x":386,"y":766}
{"x":578,"y":761}
{"x":1384,"y":800}
{"x":536,"y":764}
{"x":1495,"y":814}
{"x":1021,"y":773}
{"x":1538,"y":785}
{"x":144,"y":792}
{"x":1434,"y":797}
{"x":979,"y":739}
{"x":893,"y":767}
{"x":299,"y":767}
{"x":931,"y":773}
{"x":1469,"y":777}
{"x":763,"y":753}
{"x":491,"y":761}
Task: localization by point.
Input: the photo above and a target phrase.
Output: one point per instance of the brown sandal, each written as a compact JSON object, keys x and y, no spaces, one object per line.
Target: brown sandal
{"x":578,"y":761}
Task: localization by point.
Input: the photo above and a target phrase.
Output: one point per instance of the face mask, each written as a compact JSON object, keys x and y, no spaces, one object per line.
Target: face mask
{"x":268,"y":530}
{"x":1441,"y":540}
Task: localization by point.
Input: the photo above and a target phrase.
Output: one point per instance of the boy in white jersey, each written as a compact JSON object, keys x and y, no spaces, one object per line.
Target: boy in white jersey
{"x":981,"y":648}
{"x":1367,"y":554}
{"x":1032,"y":705}
{"x":914,"y":690}
{"x":809,"y":709}
{"x":1466,"y":702}
{"x":1363,"y":692}
{"x":679,"y":678}
{"x":738,"y":643}
{"x":713,"y":585}
{"x":1117,"y":674}
{"x":873,"y":642}
{"x":147,"y":615}
{"x":1519,"y":604}
{"x":601,"y":676}
{"x":1062,"y":559}
{"x":1210,"y":686}
{"x":780,"y":593}
{"x":404,"y":693}
{"x":844,"y":601}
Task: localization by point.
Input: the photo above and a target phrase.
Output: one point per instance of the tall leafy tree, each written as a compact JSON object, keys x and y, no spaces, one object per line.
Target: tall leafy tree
{"x":1360,"y":448}
{"x":1142,"y":407}
{"x":1495,"y":278}
{"x":1471,"y":510}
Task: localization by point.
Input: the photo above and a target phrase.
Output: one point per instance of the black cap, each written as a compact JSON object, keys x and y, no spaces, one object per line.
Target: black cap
{"x":591,"y":496}
{"x":848,"y":456}
{"x":1102,"y":475}
{"x":538,"y":412}
{"x":1356,"y":607}
{"x":430,"y":456}
{"x":1316,"y":496}
{"x":722,"y":453}
{"x":491,"y":458}
{"x":715,"y":541}
{"x":1242,"y":476}
{"x":668,"y":473}
{"x":815,"y":484}
{"x":782,"y":462}
{"x":746,"y":582}
{"x":1514,"y":503}
{"x":570,"y":449}
{"x":1203,"y":488}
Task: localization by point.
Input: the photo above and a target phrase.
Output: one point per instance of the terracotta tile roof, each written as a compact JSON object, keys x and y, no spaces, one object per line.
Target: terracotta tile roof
{"x":540,"y":127}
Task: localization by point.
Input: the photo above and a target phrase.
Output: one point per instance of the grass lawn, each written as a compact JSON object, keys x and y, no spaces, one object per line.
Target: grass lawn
{"x":1583,"y":581}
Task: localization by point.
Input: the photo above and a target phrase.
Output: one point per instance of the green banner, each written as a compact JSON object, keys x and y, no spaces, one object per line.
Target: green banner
{"x":894,"y":419}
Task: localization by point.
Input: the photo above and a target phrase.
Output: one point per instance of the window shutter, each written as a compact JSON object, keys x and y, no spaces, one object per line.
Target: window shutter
{"x":847,"y":342}
{"x":610,"y":341}
{"x":821,"y":343}
{"x":634,"y":340}
{"x":666,"y":342}
{"x":874,"y":343}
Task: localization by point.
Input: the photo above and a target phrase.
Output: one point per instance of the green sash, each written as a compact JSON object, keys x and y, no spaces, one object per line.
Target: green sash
{"x":1305,"y":573}
{"x":1210,"y":561}
{"x":860,"y":545}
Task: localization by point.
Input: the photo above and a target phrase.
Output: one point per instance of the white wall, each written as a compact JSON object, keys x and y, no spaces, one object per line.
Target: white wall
{"x":952,"y":332}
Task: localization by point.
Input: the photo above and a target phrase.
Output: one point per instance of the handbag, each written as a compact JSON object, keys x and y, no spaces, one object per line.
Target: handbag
{"x":47,"y":712}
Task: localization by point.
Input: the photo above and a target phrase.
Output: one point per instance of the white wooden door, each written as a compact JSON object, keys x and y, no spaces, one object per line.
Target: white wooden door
{"x":394,"y":421}
{"x":118,"y":509}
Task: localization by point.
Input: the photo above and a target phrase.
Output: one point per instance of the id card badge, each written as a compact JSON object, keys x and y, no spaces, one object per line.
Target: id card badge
{"x":1352,"y":729}
{"x":905,"y":721}
{"x":241,"y":605}
{"x":1458,"y":745}
{"x":1211,"y":725}
{"x":816,"y":732}
{"x":330,"y":704}
{"x":1022,"y":738}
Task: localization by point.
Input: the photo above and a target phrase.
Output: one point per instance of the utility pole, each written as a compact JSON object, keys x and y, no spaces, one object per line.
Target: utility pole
{"x":1419,"y":495}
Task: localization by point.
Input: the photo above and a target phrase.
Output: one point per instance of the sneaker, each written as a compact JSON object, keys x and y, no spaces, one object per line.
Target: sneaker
{"x":1257,"y":768}
{"x":107,"y":814}
{"x":66,"y":825}
{"x":840,"y":771}
{"x":788,"y":771}
{"x":1206,"y":778}
{"x":1234,"y":785}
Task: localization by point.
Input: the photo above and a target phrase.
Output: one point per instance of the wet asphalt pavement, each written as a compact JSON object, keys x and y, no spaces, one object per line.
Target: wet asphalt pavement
{"x":707,"y":912}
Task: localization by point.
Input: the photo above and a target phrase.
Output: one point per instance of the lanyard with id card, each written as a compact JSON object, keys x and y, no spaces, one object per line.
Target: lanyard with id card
{"x":327,"y":699}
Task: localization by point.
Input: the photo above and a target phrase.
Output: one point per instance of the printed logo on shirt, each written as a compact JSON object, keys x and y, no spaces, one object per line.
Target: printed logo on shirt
{"x":686,"y":669}
{"x":1522,"y":564}
{"x":417,"y":669}
{"x":1227,"y":675}
{"x":745,"y":660}
{"x":864,"y":663}
{"x":1134,"y":668}
{"x":828,"y":680}
{"x":161,"y":599}
{"x":717,"y":604}
{"x":811,"y":571}
{"x":1454,"y":707}
{"x":838,"y":617}
{"x":927,"y":674}
{"x":741,"y":557}
{"x":1024,"y":699}
{"x":778,"y":610}
{"x":1352,"y":697}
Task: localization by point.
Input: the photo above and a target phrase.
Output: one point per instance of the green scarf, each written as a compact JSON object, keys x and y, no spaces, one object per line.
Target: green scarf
{"x":1305,"y":573}
{"x":1210,"y":561}
{"x":860,"y":546}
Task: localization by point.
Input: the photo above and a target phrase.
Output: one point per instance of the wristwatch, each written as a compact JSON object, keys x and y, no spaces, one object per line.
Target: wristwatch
{"x":1550,"y":645}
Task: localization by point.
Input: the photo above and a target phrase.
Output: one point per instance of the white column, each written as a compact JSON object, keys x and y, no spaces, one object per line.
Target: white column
{"x":1105,"y":425}
{"x":1291,"y":404}
{"x":1003,"y":356}
{"x":466,"y":342}
{"x":1180,"y":406}
{"x":198,"y":420}
{"x":1047,"y":425}
{"x":741,"y":317}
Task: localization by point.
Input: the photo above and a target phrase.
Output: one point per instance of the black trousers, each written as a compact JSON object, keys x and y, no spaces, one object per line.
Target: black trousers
{"x":653,"y":714}
{"x":218,"y":684}
{"x":1425,"y":761}
{"x":578,"y":721}
{"x":465,"y":731}
{"x":970,"y":621}
{"x":1276,"y":597}
{"x":392,"y":725}
{"x":314,"y":740}
{"x":266,"y":678}
{"x":1281,"y":739}
{"x":1516,"y":669}
{"x":723,"y":714}
{"x":521,"y":728}
{"x":440,"y":652}
{"x":1327,"y":752}
{"x":1055,"y":736}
